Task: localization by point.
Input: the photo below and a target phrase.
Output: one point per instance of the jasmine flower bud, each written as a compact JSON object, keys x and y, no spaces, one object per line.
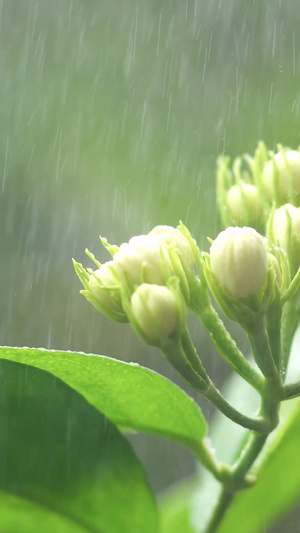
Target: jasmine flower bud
{"x":245,"y":205}
{"x":239,"y":195}
{"x":104,"y":286}
{"x":172,"y":236}
{"x":285,"y":231}
{"x":102,"y":289}
{"x":156,"y":313}
{"x":154,"y":258}
{"x":281,"y":177}
{"x":140,"y":260}
{"x":239,"y":261}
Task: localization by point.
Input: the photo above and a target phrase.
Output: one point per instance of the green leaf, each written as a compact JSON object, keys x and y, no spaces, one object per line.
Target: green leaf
{"x":63,"y":466}
{"x":188,"y":507}
{"x":176,"y":507}
{"x":21,"y":514}
{"x":128,"y":394}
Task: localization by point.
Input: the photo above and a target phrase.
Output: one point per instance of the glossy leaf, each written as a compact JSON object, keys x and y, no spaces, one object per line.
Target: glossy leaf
{"x":128,"y":394}
{"x":63,"y":466}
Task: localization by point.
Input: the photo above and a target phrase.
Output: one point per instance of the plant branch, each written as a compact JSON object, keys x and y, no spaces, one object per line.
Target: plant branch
{"x":260,"y":424}
{"x":260,"y":346}
{"x":291,"y":390}
{"x":224,"y":343}
{"x":237,"y":476}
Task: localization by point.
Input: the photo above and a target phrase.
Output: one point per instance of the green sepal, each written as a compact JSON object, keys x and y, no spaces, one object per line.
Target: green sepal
{"x":292,"y":288}
{"x":109,"y":313}
{"x":193,"y":244}
{"x":84,"y":276}
{"x":174,"y":352}
{"x":93,"y":258}
{"x":82,"y":273}
{"x":111,"y":248}
{"x":180,"y":269}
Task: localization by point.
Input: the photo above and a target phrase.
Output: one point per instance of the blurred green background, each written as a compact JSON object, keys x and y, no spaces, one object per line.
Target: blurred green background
{"x":112,"y":115}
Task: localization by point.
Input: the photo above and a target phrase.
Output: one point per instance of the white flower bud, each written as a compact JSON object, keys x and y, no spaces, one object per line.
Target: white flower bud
{"x":99,"y":283}
{"x":146,"y":258}
{"x":172,"y":236}
{"x":139,"y":260}
{"x":281,"y":177}
{"x":239,"y":261}
{"x":156,"y":311}
{"x":285,"y":216}
{"x":286,"y":230}
{"x":245,"y":204}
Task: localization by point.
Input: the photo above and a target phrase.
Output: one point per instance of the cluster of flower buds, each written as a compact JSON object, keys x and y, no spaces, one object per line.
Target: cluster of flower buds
{"x":251,"y":270}
{"x":253,"y":184}
{"x":281,"y":177}
{"x":242,"y":270}
{"x":263,"y":192}
{"x":238,"y":193}
{"x":145,"y":283}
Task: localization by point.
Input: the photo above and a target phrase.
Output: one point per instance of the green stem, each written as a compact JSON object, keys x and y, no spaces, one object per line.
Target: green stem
{"x":291,"y":390}
{"x":219,"y":511}
{"x":246,"y":460}
{"x":259,"y":424}
{"x":236,"y":476}
{"x":273,"y":323}
{"x":175,"y":353}
{"x":236,"y":480}
{"x":260,"y":346}
{"x":224,"y":343}
{"x":288,"y":327}
{"x":206,"y":455}
{"x":192,"y":355}
{"x":271,"y":398}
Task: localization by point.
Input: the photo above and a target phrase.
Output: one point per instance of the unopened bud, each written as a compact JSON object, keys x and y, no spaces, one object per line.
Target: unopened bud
{"x":104,"y":287}
{"x":245,"y":205}
{"x":154,"y":258}
{"x":172,"y":236}
{"x":155,"y":312}
{"x":281,"y":177}
{"x":285,"y":230}
{"x":239,"y":261}
{"x":139,"y":260}
{"x":239,"y":190}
